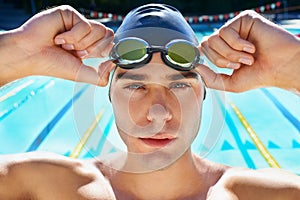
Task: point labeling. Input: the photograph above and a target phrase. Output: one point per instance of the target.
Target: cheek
(130, 108)
(138, 109)
(191, 109)
(190, 101)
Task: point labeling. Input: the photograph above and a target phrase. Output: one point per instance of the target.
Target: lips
(158, 140)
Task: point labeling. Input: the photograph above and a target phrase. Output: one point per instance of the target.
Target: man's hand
(53, 43)
(260, 52)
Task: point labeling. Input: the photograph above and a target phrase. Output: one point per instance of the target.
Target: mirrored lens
(131, 50)
(181, 53)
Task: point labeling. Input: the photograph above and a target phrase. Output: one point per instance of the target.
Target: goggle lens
(181, 53)
(131, 50)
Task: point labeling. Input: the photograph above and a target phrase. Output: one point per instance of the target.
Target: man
(157, 99)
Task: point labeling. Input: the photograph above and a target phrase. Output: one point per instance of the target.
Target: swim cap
(157, 24)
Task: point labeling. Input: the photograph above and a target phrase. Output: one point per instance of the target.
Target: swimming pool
(255, 129)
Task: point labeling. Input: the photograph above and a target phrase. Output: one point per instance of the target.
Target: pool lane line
(15, 90)
(285, 112)
(105, 134)
(4, 114)
(234, 131)
(257, 142)
(46, 130)
(97, 151)
(87, 134)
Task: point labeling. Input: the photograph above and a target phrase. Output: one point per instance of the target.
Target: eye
(135, 86)
(179, 85)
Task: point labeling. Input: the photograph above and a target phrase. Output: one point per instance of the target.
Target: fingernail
(245, 61)
(249, 49)
(233, 65)
(59, 41)
(69, 46)
(82, 53)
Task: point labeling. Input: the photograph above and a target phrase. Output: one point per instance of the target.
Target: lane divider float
(258, 143)
(87, 134)
(15, 90)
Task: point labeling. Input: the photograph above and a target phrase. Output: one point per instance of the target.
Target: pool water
(255, 129)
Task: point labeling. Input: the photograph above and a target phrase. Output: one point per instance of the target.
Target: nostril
(158, 112)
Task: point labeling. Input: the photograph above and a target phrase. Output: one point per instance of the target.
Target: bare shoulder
(210, 165)
(30, 161)
(268, 183)
(267, 174)
(212, 172)
(36, 172)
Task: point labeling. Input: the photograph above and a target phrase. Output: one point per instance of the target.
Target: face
(157, 109)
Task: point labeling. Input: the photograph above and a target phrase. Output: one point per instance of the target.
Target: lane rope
(258, 143)
(87, 134)
(15, 90)
(51, 124)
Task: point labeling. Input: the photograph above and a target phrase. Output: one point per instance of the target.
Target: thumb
(240, 80)
(211, 79)
(69, 67)
(104, 72)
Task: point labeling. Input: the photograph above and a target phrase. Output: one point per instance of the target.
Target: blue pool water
(255, 129)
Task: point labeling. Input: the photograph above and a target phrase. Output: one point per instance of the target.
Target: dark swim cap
(157, 24)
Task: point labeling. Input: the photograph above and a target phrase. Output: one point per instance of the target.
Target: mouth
(158, 141)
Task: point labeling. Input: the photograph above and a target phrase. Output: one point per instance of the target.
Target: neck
(175, 181)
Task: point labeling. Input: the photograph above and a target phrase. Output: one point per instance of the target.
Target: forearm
(11, 57)
(291, 75)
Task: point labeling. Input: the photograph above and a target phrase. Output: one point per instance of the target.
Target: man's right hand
(261, 53)
(53, 43)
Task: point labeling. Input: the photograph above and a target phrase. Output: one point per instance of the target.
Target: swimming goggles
(134, 52)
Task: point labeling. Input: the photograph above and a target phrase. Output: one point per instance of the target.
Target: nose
(159, 110)
(159, 113)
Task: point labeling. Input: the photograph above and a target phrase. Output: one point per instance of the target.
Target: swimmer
(261, 53)
(156, 94)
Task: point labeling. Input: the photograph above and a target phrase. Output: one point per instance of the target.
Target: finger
(228, 52)
(76, 27)
(210, 78)
(102, 47)
(71, 68)
(73, 36)
(216, 58)
(98, 31)
(234, 40)
(104, 71)
(88, 74)
(241, 80)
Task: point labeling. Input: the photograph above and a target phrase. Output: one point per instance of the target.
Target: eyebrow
(130, 76)
(173, 77)
(183, 75)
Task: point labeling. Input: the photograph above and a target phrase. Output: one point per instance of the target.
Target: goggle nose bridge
(156, 49)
